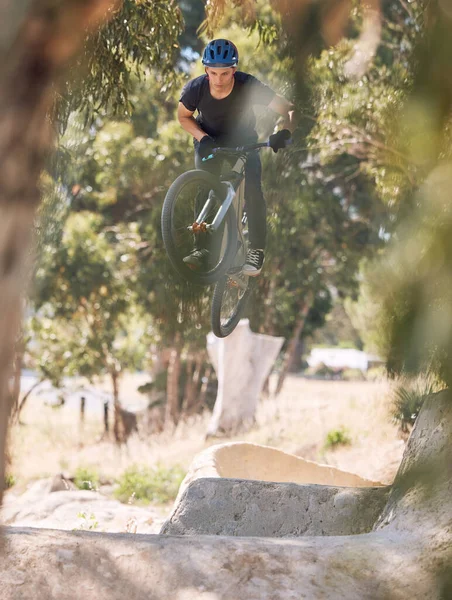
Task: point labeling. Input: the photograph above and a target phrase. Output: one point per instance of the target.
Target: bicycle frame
(238, 171)
(234, 180)
(238, 175)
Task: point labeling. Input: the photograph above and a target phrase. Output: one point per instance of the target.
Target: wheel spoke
(232, 295)
(187, 207)
(184, 203)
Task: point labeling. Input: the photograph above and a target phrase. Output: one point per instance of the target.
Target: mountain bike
(200, 208)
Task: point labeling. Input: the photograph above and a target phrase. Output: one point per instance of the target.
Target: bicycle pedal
(232, 283)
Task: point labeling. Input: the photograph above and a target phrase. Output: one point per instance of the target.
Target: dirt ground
(298, 421)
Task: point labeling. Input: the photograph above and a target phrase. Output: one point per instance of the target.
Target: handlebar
(241, 149)
(238, 150)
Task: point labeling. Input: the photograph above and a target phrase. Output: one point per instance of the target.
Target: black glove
(279, 139)
(206, 145)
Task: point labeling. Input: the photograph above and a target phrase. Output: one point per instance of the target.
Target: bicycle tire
(222, 327)
(209, 181)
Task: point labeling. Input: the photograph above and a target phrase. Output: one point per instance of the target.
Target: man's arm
(188, 122)
(284, 108)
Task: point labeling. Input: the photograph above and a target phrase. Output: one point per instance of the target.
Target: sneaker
(254, 262)
(197, 259)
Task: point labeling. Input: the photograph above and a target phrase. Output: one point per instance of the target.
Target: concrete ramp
(258, 508)
(245, 489)
(408, 555)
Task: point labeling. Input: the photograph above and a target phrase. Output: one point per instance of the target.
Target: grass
(86, 478)
(408, 398)
(88, 522)
(298, 422)
(10, 480)
(158, 485)
(337, 437)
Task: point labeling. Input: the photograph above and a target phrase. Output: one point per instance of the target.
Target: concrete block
(234, 507)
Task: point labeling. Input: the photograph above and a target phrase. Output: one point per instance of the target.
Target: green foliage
(104, 289)
(159, 484)
(10, 481)
(330, 197)
(338, 330)
(364, 311)
(352, 375)
(376, 373)
(337, 437)
(355, 126)
(408, 398)
(86, 478)
(140, 35)
(193, 14)
(88, 522)
(51, 216)
(87, 322)
(416, 295)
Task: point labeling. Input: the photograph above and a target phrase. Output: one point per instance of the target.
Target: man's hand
(206, 145)
(279, 139)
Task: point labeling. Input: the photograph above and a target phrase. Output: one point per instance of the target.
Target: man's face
(221, 79)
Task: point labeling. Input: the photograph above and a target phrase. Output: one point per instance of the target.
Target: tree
(111, 182)
(34, 50)
(137, 36)
(86, 307)
(416, 297)
(36, 45)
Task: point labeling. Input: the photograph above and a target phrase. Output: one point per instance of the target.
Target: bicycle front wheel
(229, 300)
(183, 204)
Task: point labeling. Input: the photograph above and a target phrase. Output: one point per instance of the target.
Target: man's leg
(256, 211)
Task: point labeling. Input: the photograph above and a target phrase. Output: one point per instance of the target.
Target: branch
(368, 41)
(408, 10)
(26, 396)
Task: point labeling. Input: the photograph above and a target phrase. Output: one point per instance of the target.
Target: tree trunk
(267, 325)
(197, 383)
(33, 53)
(125, 422)
(242, 362)
(292, 346)
(16, 383)
(82, 410)
(117, 424)
(106, 425)
(270, 307)
(204, 387)
(189, 383)
(172, 385)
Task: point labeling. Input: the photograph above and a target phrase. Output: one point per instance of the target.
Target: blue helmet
(220, 54)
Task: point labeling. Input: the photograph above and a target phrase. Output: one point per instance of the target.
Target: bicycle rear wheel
(229, 300)
(183, 203)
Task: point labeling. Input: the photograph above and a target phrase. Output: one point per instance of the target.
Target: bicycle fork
(199, 225)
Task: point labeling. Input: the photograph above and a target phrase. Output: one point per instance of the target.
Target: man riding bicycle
(224, 99)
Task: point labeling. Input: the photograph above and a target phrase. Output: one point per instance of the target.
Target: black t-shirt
(231, 121)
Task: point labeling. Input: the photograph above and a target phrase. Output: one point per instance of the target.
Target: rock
(74, 510)
(255, 508)
(374, 566)
(421, 494)
(61, 484)
(243, 460)
(408, 556)
(208, 503)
